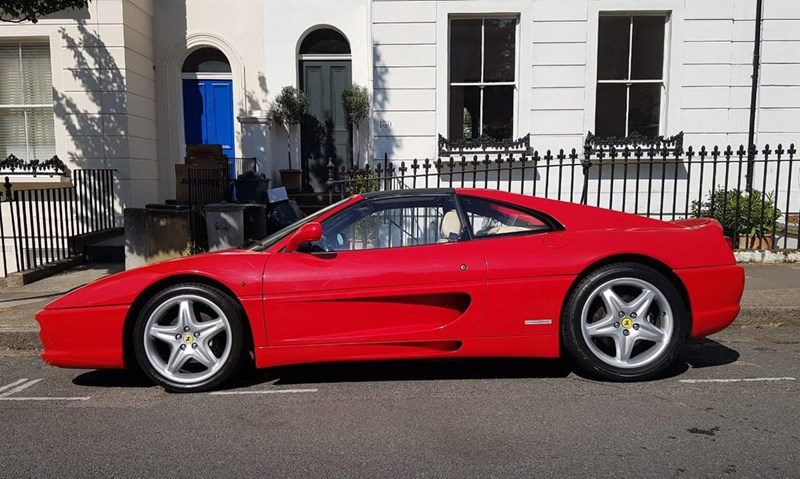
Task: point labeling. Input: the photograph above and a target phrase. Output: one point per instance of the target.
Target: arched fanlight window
(324, 41)
(206, 60)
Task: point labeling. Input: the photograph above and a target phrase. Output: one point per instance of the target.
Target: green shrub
(290, 106)
(364, 182)
(355, 100)
(739, 212)
(356, 104)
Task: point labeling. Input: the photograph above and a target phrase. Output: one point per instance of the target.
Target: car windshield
(283, 232)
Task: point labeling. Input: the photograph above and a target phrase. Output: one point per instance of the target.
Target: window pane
(492, 219)
(396, 223)
(498, 111)
(645, 109)
(465, 50)
(612, 48)
(609, 119)
(324, 41)
(499, 49)
(41, 136)
(206, 60)
(465, 112)
(10, 79)
(647, 57)
(37, 81)
(12, 141)
(40, 133)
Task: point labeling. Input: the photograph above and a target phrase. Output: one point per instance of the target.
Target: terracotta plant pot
(755, 242)
(291, 179)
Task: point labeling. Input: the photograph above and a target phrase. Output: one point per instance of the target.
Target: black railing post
(331, 179)
(386, 170)
(586, 163)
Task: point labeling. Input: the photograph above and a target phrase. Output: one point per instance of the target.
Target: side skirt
(540, 346)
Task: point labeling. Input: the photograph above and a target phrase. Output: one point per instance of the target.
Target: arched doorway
(325, 72)
(208, 100)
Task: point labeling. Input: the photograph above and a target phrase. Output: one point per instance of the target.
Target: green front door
(325, 132)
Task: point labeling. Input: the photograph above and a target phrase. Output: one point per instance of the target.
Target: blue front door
(208, 114)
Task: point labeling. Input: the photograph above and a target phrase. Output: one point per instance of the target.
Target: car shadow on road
(408, 370)
(697, 353)
(704, 353)
(113, 378)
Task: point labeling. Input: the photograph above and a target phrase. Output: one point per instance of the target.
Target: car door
(525, 284)
(390, 268)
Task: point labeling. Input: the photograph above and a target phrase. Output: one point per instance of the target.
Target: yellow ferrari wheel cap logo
(188, 339)
(627, 323)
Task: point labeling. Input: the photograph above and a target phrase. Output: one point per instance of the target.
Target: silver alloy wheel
(183, 347)
(632, 311)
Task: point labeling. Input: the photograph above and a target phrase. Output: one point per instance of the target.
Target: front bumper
(83, 337)
(714, 296)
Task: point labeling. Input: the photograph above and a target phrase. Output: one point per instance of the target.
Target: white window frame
(673, 54)
(629, 82)
(25, 106)
(482, 84)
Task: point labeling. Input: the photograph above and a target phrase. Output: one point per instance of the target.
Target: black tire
(238, 347)
(576, 345)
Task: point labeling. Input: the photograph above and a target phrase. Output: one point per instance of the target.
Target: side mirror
(308, 233)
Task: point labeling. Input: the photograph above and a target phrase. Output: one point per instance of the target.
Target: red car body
(492, 297)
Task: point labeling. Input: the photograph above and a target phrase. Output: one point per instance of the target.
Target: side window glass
(489, 218)
(392, 223)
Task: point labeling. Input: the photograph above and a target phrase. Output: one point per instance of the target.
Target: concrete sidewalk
(771, 299)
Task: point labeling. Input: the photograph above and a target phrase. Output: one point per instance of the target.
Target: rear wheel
(189, 338)
(624, 322)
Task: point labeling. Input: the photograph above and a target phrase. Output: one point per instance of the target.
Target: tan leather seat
(451, 224)
(505, 229)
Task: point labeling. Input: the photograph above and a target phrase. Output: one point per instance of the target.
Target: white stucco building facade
(554, 69)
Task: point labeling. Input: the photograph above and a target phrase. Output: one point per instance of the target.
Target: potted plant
(747, 217)
(290, 106)
(365, 231)
(356, 106)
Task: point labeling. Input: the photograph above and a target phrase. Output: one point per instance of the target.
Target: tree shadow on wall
(253, 137)
(94, 84)
(384, 142)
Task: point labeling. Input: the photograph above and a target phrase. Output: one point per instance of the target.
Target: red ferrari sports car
(434, 273)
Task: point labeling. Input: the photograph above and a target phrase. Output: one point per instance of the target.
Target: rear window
(489, 218)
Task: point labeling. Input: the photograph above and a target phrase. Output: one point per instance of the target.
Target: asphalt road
(476, 418)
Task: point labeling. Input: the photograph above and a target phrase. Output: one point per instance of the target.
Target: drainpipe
(751, 148)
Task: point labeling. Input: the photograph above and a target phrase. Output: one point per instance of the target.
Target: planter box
(755, 242)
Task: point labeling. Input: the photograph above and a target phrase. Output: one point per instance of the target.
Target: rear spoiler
(698, 223)
(703, 223)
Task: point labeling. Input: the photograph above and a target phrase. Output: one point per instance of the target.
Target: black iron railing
(205, 186)
(665, 182)
(42, 222)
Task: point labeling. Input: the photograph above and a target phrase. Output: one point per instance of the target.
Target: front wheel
(624, 322)
(189, 338)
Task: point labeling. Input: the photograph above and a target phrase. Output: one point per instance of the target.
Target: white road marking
(7, 386)
(20, 398)
(268, 391)
(20, 387)
(25, 383)
(695, 381)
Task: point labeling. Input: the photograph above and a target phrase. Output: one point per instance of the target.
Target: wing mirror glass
(308, 233)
